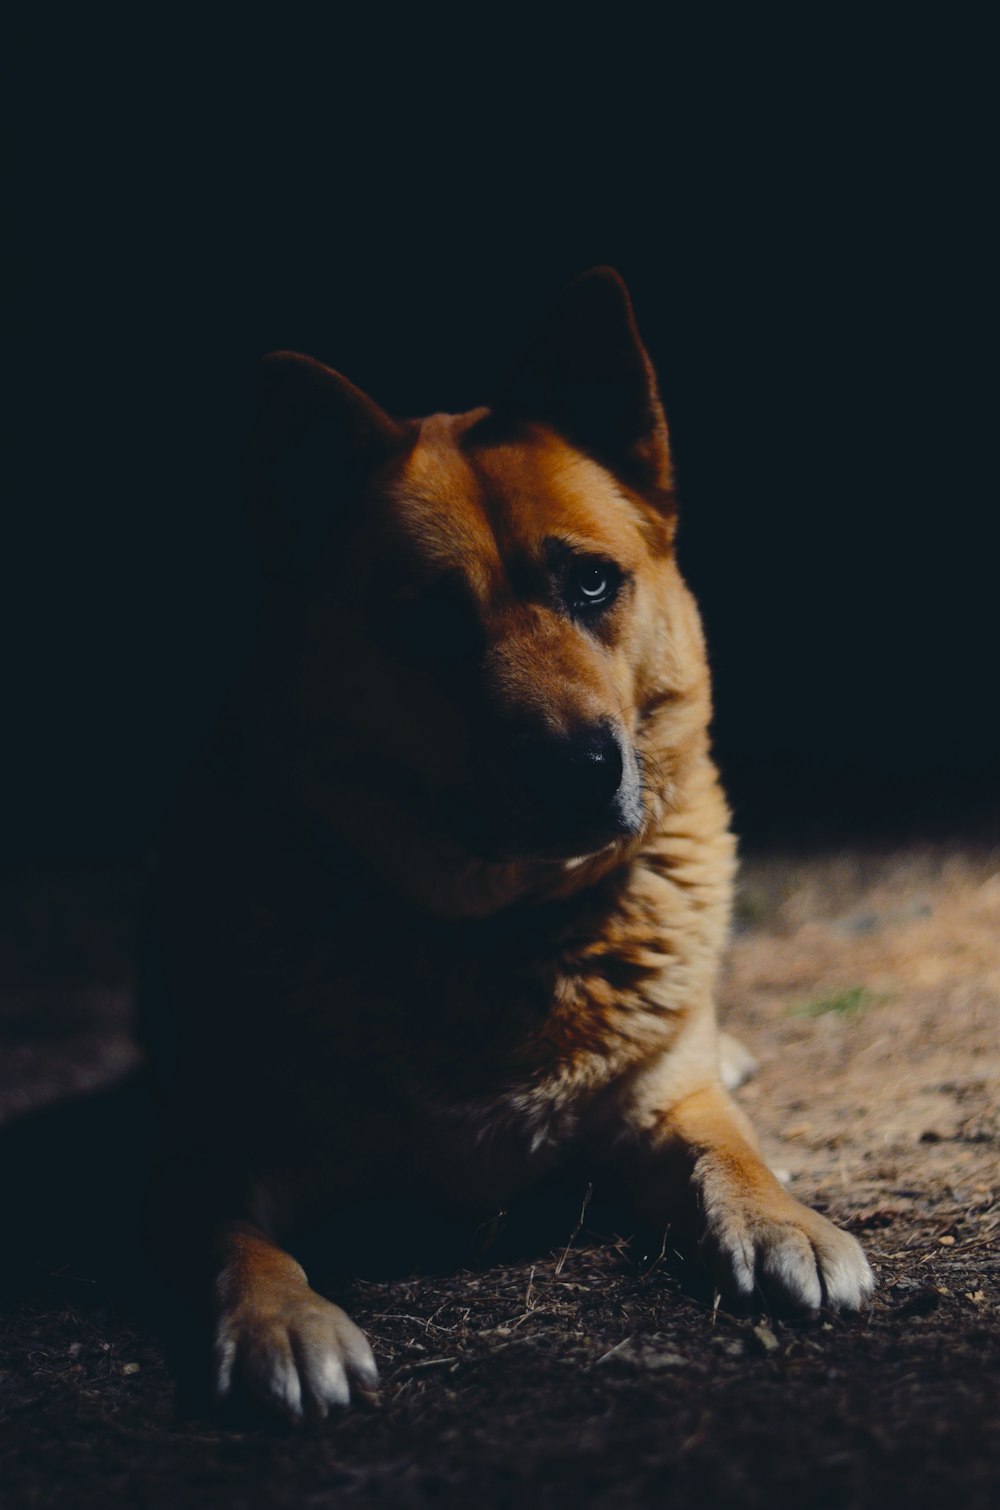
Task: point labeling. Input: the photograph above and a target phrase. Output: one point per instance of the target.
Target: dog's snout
(577, 775)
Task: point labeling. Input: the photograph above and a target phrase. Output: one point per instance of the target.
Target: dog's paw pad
(301, 1356)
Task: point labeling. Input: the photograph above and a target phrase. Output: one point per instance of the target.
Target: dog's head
(494, 669)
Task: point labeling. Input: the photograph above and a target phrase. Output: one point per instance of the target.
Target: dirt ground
(595, 1370)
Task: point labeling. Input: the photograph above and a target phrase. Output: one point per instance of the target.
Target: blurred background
(800, 219)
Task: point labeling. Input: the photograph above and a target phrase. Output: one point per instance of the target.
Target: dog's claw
(767, 1245)
(302, 1356)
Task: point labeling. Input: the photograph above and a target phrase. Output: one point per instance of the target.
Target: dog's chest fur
(476, 1053)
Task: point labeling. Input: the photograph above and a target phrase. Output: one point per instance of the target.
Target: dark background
(800, 217)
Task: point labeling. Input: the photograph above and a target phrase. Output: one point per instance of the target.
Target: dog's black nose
(575, 776)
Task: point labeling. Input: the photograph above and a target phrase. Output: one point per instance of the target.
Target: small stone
(766, 1338)
(131, 1368)
(644, 1353)
(666, 1359)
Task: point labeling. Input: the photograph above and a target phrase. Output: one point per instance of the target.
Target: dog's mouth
(498, 816)
(503, 832)
(461, 820)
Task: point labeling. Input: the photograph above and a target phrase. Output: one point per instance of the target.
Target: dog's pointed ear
(587, 374)
(314, 437)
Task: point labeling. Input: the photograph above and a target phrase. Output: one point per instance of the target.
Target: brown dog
(445, 900)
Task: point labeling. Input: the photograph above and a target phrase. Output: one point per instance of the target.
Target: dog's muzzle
(571, 793)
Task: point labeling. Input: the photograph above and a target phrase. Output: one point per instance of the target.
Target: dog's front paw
(299, 1354)
(764, 1243)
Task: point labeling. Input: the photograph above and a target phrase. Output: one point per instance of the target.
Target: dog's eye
(591, 584)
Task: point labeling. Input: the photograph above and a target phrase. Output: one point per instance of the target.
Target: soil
(596, 1369)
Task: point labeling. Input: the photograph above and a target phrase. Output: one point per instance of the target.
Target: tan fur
(417, 1008)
